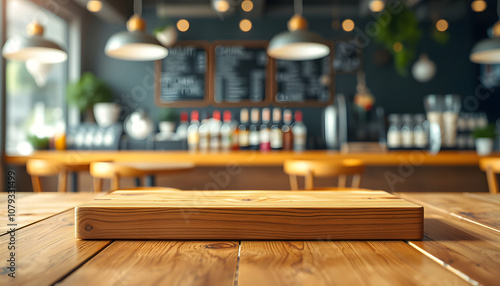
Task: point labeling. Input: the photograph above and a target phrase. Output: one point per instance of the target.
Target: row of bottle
(258, 133)
(407, 131)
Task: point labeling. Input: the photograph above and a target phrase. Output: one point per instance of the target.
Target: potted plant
(167, 119)
(92, 96)
(484, 139)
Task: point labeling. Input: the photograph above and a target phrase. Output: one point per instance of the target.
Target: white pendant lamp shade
(298, 43)
(135, 44)
(487, 51)
(33, 47)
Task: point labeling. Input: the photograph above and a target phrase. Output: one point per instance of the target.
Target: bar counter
(256, 158)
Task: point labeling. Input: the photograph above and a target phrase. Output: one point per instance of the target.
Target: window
(36, 105)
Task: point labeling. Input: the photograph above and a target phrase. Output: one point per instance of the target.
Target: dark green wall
(396, 94)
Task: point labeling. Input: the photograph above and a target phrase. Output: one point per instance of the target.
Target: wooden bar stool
(316, 168)
(492, 167)
(115, 170)
(37, 168)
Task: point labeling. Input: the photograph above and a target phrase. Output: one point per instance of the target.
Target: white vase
(484, 146)
(106, 113)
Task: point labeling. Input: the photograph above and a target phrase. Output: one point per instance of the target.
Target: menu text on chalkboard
(240, 72)
(183, 76)
(303, 81)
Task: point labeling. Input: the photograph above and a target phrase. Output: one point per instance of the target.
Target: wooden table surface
(461, 247)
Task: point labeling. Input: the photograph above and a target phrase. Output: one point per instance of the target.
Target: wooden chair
(491, 166)
(37, 168)
(316, 168)
(115, 170)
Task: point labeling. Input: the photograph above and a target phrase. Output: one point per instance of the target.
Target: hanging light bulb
(33, 47)
(94, 6)
(376, 5)
(135, 44)
(298, 43)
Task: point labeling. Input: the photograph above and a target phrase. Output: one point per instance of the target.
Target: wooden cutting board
(249, 215)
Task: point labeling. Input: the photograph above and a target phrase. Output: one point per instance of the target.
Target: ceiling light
(397, 47)
(183, 25)
(298, 43)
(94, 6)
(33, 47)
(221, 6)
(135, 44)
(442, 25)
(348, 25)
(478, 5)
(376, 5)
(247, 5)
(245, 25)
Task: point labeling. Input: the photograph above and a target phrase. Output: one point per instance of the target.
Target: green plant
(87, 91)
(168, 114)
(400, 37)
(485, 132)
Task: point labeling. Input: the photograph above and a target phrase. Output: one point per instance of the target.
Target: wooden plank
(46, 251)
(318, 263)
(255, 158)
(39, 206)
(4, 196)
(460, 205)
(492, 198)
(236, 215)
(465, 248)
(160, 263)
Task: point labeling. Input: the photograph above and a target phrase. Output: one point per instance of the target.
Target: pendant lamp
(33, 47)
(135, 44)
(487, 51)
(297, 43)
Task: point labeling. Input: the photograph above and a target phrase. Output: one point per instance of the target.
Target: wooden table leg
(63, 178)
(97, 185)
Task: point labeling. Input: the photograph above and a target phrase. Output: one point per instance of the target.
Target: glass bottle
(276, 133)
(287, 130)
(394, 133)
(419, 132)
(193, 137)
(226, 132)
(407, 131)
(254, 136)
(264, 131)
(183, 126)
(243, 132)
(203, 131)
(214, 130)
(299, 130)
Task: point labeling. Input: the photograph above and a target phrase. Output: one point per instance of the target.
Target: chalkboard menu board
(303, 82)
(348, 56)
(182, 78)
(239, 70)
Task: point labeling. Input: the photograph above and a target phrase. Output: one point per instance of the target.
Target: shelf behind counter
(256, 158)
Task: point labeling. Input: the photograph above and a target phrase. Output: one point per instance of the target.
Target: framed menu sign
(182, 78)
(239, 72)
(303, 83)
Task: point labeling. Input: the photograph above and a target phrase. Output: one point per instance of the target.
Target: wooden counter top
(461, 247)
(255, 158)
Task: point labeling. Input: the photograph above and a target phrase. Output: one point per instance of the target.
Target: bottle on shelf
(235, 133)
(193, 137)
(287, 130)
(264, 131)
(276, 133)
(183, 126)
(214, 130)
(419, 132)
(407, 131)
(253, 136)
(394, 132)
(243, 132)
(204, 130)
(227, 132)
(299, 131)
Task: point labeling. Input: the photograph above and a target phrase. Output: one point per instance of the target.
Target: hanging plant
(400, 37)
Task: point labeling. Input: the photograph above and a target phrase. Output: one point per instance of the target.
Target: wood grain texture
(180, 263)
(492, 198)
(459, 205)
(254, 158)
(30, 209)
(325, 263)
(46, 251)
(235, 215)
(463, 247)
